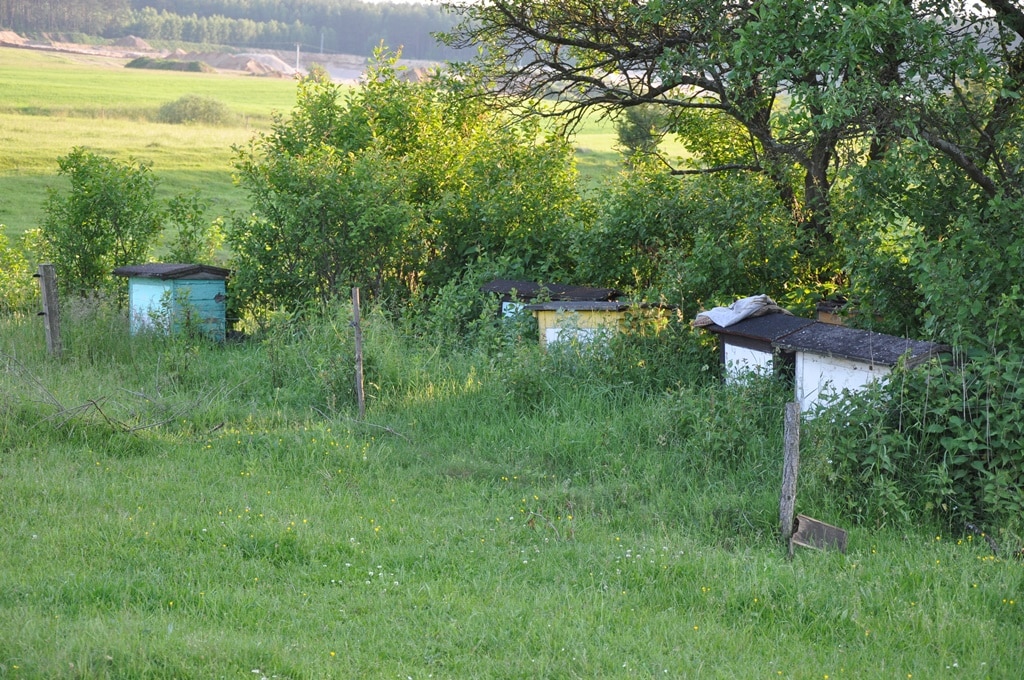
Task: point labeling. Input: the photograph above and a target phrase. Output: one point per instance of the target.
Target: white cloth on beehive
(744, 308)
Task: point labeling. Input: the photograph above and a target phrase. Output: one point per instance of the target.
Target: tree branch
(962, 161)
(718, 168)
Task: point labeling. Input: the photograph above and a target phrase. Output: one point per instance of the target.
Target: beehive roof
(768, 328)
(579, 306)
(858, 345)
(529, 290)
(164, 270)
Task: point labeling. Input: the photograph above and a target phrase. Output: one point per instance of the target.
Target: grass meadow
(172, 508)
(53, 102)
(177, 509)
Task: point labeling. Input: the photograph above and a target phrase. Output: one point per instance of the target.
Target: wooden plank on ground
(811, 533)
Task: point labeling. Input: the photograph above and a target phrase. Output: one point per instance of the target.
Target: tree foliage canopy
(108, 218)
(815, 88)
(393, 186)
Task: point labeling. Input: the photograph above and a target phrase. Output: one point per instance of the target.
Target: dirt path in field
(343, 68)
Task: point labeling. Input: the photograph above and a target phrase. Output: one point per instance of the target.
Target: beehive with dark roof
(523, 291)
(174, 296)
(855, 344)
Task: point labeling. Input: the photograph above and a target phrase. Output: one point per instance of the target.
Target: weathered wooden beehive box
(748, 345)
(175, 297)
(580, 321)
(830, 359)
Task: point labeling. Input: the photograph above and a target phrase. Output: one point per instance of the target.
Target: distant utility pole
(297, 46)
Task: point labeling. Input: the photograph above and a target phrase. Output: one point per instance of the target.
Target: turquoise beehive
(175, 297)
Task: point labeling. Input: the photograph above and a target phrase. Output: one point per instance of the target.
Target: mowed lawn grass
(53, 102)
(187, 510)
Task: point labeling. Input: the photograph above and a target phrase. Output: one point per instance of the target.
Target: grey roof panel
(768, 328)
(858, 345)
(579, 306)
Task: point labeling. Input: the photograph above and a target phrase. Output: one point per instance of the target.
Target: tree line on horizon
(347, 26)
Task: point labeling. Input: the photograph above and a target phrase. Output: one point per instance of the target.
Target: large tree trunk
(817, 206)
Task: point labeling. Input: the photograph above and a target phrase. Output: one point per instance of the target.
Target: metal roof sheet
(579, 306)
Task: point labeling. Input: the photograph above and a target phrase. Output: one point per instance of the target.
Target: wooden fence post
(360, 397)
(790, 464)
(47, 276)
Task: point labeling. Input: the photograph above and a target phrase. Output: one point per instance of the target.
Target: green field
(54, 102)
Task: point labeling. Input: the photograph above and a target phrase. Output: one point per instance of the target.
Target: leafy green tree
(193, 238)
(329, 207)
(504, 194)
(694, 243)
(395, 186)
(106, 219)
(640, 130)
(815, 88)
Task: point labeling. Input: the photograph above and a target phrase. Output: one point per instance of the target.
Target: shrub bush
(106, 219)
(169, 65)
(694, 241)
(17, 290)
(938, 441)
(192, 238)
(193, 109)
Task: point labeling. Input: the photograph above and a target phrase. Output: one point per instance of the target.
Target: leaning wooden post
(360, 397)
(790, 464)
(47, 276)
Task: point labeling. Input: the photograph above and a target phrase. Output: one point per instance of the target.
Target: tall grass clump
(17, 289)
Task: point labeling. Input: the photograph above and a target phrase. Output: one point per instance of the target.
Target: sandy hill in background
(343, 68)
